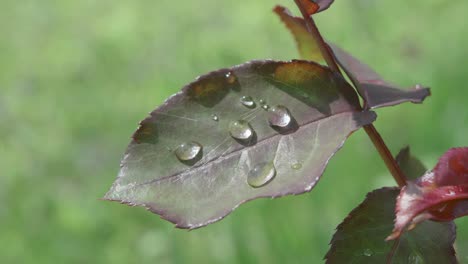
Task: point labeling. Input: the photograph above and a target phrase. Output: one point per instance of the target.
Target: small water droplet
(261, 174)
(231, 78)
(265, 107)
(215, 117)
(262, 102)
(415, 259)
(188, 151)
(418, 86)
(240, 129)
(296, 166)
(247, 101)
(367, 252)
(279, 116)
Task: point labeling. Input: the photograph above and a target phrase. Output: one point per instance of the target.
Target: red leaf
(441, 194)
(452, 168)
(309, 6)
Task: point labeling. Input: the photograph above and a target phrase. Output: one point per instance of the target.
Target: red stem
(375, 137)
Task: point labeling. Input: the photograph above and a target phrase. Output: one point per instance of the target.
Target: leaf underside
(371, 87)
(324, 110)
(360, 238)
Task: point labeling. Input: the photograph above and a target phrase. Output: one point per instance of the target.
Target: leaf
(375, 91)
(411, 166)
(360, 237)
(306, 44)
(309, 6)
(452, 168)
(324, 111)
(441, 194)
(323, 4)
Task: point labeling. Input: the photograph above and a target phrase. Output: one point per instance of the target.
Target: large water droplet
(279, 116)
(240, 129)
(296, 166)
(215, 117)
(247, 101)
(188, 151)
(231, 78)
(368, 252)
(261, 174)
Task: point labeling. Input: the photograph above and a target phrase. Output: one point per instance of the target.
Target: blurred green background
(77, 76)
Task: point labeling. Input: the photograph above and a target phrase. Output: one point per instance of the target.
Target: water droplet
(415, 259)
(247, 101)
(188, 151)
(262, 102)
(215, 117)
(368, 252)
(261, 174)
(279, 116)
(231, 78)
(418, 86)
(265, 107)
(240, 129)
(296, 166)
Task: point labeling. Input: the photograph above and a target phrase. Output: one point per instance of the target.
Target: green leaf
(361, 236)
(305, 42)
(184, 163)
(411, 166)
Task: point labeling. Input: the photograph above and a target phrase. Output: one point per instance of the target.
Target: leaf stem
(371, 131)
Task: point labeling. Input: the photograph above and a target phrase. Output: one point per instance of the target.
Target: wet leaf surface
(373, 89)
(361, 236)
(193, 169)
(441, 194)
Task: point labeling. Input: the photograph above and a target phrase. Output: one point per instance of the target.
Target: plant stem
(375, 137)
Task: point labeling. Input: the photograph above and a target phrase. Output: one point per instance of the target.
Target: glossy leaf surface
(361, 236)
(239, 155)
(373, 89)
(441, 194)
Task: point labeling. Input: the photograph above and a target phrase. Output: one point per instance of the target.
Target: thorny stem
(375, 137)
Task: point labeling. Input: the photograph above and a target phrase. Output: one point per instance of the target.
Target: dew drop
(215, 117)
(368, 252)
(231, 78)
(261, 174)
(265, 107)
(296, 166)
(279, 116)
(240, 129)
(415, 259)
(188, 151)
(247, 101)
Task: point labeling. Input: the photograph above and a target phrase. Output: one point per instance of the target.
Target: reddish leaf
(184, 163)
(452, 168)
(323, 4)
(373, 89)
(310, 6)
(360, 237)
(375, 92)
(441, 194)
(306, 44)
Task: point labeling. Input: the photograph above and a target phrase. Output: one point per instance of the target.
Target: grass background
(77, 76)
